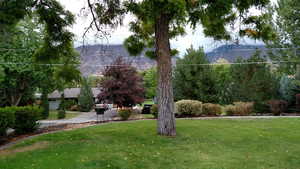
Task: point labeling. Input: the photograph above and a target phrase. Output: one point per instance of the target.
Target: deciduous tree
(122, 85)
(158, 21)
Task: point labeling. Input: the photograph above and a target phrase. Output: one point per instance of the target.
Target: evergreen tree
(223, 81)
(45, 105)
(194, 81)
(85, 98)
(253, 82)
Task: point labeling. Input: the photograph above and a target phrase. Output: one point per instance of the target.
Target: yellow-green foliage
(125, 113)
(240, 108)
(212, 109)
(188, 108)
(154, 110)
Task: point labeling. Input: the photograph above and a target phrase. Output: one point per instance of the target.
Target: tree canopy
(158, 21)
(57, 40)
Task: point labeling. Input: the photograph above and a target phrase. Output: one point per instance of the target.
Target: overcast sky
(193, 37)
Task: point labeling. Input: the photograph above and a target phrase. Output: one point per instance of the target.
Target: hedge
(26, 119)
(7, 119)
(22, 119)
(212, 109)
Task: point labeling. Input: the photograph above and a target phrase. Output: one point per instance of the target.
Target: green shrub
(239, 109)
(7, 119)
(26, 119)
(261, 107)
(125, 113)
(154, 110)
(211, 109)
(69, 104)
(188, 108)
(61, 114)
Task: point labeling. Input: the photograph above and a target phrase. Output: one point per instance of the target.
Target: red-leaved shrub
(277, 106)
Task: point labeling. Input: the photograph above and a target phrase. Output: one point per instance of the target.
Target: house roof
(71, 93)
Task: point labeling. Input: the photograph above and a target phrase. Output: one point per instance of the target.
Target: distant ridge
(105, 54)
(93, 55)
(232, 52)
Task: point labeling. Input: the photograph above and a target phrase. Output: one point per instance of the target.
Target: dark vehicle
(147, 109)
(101, 108)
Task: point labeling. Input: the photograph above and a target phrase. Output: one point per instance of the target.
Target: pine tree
(192, 81)
(85, 98)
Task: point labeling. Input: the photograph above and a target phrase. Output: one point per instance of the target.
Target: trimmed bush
(211, 109)
(125, 113)
(278, 106)
(154, 110)
(188, 108)
(244, 108)
(7, 119)
(230, 110)
(26, 119)
(61, 114)
(239, 109)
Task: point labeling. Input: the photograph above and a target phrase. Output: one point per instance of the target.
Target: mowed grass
(200, 144)
(69, 115)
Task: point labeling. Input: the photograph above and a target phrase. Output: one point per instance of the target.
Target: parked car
(147, 109)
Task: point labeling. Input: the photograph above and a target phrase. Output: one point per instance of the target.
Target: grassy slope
(207, 144)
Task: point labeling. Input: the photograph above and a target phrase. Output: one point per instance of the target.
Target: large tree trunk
(166, 119)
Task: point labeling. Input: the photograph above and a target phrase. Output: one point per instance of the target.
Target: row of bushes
(188, 108)
(21, 119)
(194, 108)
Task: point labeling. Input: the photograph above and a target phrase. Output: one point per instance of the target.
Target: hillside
(232, 52)
(95, 57)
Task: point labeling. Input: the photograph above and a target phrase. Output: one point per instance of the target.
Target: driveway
(82, 118)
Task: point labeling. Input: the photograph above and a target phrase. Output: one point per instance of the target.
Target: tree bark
(166, 119)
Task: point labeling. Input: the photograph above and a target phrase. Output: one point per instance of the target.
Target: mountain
(232, 52)
(94, 58)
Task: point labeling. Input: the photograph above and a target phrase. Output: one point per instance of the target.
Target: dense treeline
(247, 80)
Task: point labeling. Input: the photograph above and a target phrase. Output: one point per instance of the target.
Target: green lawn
(200, 144)
(148, 102)
(53, 115)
